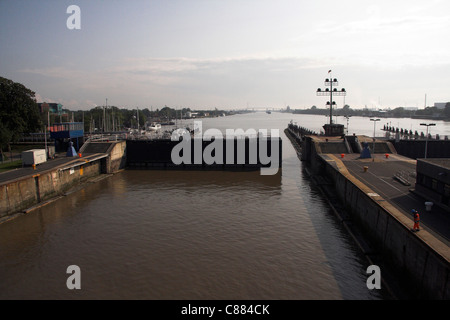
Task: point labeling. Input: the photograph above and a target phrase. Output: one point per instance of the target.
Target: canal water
(189, 235)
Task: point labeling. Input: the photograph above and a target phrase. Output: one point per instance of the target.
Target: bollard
(428, 205)
(365, 168)
(342, 155)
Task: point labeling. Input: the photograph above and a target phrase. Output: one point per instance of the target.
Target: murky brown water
(187, 235)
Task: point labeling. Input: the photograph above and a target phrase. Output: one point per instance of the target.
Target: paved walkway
(48, 165)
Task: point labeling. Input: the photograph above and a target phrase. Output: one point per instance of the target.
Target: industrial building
(433, 180)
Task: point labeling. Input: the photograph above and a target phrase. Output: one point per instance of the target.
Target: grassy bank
(9, 165)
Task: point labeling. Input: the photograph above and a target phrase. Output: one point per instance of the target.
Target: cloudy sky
(228, 54)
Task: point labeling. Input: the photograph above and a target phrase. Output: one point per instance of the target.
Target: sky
(234, 54)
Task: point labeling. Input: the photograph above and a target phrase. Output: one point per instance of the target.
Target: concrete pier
(25, 188)
(381, 206)
(28, 187)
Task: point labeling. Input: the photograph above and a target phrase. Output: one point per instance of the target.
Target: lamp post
(426, 141)
(332, 129)
(373, 147)
(330, 82)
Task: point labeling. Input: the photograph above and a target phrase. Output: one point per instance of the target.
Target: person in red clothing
(416, 220)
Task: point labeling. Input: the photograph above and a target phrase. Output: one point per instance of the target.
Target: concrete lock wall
(21, 194)
(416, 148)
(117, 156)
(390, 230)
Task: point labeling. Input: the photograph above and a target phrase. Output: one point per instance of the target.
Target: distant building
(55, 108)
(440, 105)
(190, 114)
(64, 133)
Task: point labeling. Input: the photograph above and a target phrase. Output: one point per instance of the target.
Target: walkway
(379, 176)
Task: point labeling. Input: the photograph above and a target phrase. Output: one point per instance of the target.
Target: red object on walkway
(416, 221)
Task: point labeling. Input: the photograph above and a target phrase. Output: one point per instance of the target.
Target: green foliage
(18, 111)
(400, 112)
(119, 119)
(6, 166)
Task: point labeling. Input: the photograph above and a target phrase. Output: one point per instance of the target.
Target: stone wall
(426, 263)
(20, 194)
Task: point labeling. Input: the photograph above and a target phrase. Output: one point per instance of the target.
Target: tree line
(400, 112)
(19, 114)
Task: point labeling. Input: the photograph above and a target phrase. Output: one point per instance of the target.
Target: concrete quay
(58, 163)
(393, 179)
(26, 188)
(378, 195)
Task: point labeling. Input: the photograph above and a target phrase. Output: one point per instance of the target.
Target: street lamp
(374, 123)
(426, 141)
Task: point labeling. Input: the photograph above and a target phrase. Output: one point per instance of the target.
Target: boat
(154, 126)
(268, 112)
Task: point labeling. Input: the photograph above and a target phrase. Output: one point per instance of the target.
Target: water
(189, 235)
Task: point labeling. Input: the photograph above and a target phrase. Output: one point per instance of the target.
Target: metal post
(329, 82)
(139, 133)
(426, 139)
(331, 99)
(45, 141)
(373, 146)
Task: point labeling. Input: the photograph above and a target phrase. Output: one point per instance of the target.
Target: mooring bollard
(365, 168)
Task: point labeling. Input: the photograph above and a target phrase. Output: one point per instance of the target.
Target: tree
(18, 111)
(398, 112)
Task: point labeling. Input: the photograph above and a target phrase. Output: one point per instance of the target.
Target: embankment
(21, 193)
(27, 188)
